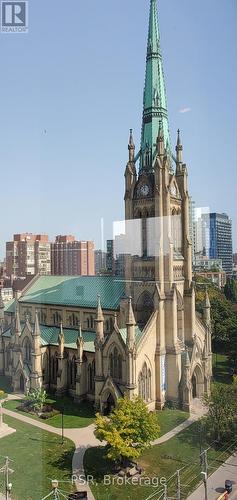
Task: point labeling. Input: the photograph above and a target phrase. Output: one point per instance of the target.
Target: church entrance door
(109, 405)
(22, 383)
(194, 385)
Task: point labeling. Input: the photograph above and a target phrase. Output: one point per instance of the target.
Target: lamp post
(8, 490)
(8, 485)
(62, 416)
(54, 483)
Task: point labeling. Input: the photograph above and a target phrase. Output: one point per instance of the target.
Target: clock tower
(158, 266)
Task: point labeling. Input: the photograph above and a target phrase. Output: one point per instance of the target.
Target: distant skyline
(72, 88)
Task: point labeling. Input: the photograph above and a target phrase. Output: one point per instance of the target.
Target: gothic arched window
(45, 367)
(73, 319)
(42, 316)
(115, 362)
(73, 372)
(27, 350)
(144, 383)
(54, 368)
(57, 318)
(91, 377)
(145, 307)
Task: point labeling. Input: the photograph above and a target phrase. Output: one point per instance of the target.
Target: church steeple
(154, 100)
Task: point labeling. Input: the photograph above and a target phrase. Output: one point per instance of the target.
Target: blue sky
(79, 75)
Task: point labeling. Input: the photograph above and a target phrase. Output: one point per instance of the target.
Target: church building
(105, 337)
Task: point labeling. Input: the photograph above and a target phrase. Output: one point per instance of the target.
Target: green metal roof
(80, 291)
(49, 336)
(138, 334)
(10, 306)
(154, 100)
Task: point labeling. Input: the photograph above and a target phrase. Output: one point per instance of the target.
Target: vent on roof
(80, 291)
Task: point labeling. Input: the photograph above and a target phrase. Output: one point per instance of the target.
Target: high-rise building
(72, 258)
(221, 240)
(100, 262)
(28, 254)
(192, 224)
(110, 261)
(201, 231)
(235, 259)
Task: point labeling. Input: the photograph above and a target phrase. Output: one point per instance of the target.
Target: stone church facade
(102, 338)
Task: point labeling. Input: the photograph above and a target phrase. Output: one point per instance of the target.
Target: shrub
(2, 394)
(48, 414)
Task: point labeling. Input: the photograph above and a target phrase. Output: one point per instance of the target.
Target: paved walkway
(84, 438)
(216, 482)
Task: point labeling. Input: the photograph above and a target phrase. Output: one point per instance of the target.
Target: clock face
(144, 190)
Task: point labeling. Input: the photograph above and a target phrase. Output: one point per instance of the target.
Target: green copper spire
(154, 100)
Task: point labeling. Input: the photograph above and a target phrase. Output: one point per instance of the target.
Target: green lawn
(38, 456)
(75, 414)
(159, 461)
(221, 369)
(168, 419)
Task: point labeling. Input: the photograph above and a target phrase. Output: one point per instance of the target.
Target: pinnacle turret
(99, 312)
(131, 319)
(131, 146)
(179, 150)
(80, 344)
(130, 323)
(1, 301)
(61, 340)
(36, 331)
(99, 321)
(17, 331)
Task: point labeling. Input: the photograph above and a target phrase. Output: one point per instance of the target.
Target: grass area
(83, 415)
(221, 369)
(5, 384)
(75, 414)
(159, 461)
(37, 456)
(168, 419)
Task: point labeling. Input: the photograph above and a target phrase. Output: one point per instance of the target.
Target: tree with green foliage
(37, 399)
(230, 290)
(223, 314)
(222, 411)
(128, 430)
(232, 351)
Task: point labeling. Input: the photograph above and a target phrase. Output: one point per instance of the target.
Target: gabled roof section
(138, 334)
(80, 291)
(10, 306)
(49, 336)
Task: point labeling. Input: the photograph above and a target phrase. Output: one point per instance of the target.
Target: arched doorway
(108, 403)
(197, 383)
(22, 383)
(194, 386)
